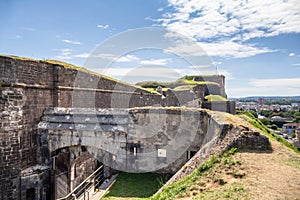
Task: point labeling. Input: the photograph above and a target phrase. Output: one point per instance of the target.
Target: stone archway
(71, 165)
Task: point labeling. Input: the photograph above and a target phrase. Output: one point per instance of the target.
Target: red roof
(292, 124)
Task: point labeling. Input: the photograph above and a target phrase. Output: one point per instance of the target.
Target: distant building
(297, 131)
(295, 106)
(279, 118)
(261, 101)
(289, 128)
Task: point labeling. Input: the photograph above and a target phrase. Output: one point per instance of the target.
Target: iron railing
(82, 191)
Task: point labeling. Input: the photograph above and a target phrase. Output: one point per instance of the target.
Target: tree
(253, 113)
(274, 126)
(297, 119)
(265, 121)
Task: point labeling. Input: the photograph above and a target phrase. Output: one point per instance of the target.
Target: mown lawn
(136, 186)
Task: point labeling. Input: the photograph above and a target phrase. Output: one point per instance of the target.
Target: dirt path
(273, 175)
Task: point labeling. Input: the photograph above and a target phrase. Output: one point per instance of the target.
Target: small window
(134, 148)
(190, 154)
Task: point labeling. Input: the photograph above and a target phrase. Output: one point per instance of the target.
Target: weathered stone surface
(231, 136)
(28, 87)
(129, 139)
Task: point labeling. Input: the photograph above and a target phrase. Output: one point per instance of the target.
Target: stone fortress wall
(27, 88)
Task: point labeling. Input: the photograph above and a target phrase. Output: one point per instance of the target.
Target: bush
(265, 121)
(274, 126)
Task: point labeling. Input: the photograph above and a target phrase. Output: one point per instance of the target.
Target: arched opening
(72, 165)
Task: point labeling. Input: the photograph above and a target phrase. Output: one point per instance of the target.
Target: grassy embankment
(238, 174)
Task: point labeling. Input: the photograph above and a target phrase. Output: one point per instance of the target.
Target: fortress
(55, 117)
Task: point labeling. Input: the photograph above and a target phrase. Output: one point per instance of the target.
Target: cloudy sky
(254, 43)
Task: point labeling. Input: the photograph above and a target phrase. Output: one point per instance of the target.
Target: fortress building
(55, 117)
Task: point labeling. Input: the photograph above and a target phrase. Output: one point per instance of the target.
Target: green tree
(297, 119)
(253, 113)
(274, 126)
(265, 121)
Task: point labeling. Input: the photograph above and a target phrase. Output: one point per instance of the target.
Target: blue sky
(255, 44)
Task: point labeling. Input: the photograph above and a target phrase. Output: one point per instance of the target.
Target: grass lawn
(215, 98)
(136, 186)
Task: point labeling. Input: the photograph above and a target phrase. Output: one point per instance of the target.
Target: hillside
(268, 98)
(241, 173)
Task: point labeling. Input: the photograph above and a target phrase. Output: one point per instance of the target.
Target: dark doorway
(30, 194)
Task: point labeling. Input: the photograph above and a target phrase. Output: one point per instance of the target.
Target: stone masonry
(29, 87)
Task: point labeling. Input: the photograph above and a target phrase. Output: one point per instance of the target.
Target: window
(190, 154)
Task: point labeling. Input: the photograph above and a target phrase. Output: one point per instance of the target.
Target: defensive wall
(29, 87)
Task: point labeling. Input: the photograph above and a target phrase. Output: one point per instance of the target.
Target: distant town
(281, 114)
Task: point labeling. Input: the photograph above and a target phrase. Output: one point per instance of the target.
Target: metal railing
(82, 191)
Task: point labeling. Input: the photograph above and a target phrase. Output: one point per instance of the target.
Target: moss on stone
(77, 68)
(183, 88)
(215, 98)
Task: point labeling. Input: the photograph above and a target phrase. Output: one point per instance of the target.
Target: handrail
(81, 184)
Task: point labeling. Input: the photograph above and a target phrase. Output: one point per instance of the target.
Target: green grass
(215, 98)
(151, 90)
(293, 163)
(204, 76)
(182, 187)
(259, 125)
(131, 185)
(177, 83)
(234, 191)
(191, 82)
(183, 88)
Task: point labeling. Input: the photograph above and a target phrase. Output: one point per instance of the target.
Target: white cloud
(231, 24)
(127, 58)
(70, 41)
(116, 72)
(296, 64)
(133, 75)
(226, 49)
(18, 36)
(64, 54)
(268, 87)
(292, 54)
(228, 75)
(107, 56)
(155, 62)
(160, 9)
(82, 55)
(28, 29)
(110, 57)
(195, 70)
(281, 82)
(149, 19)
(103, 26)
(216, 63)
(229, 49)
